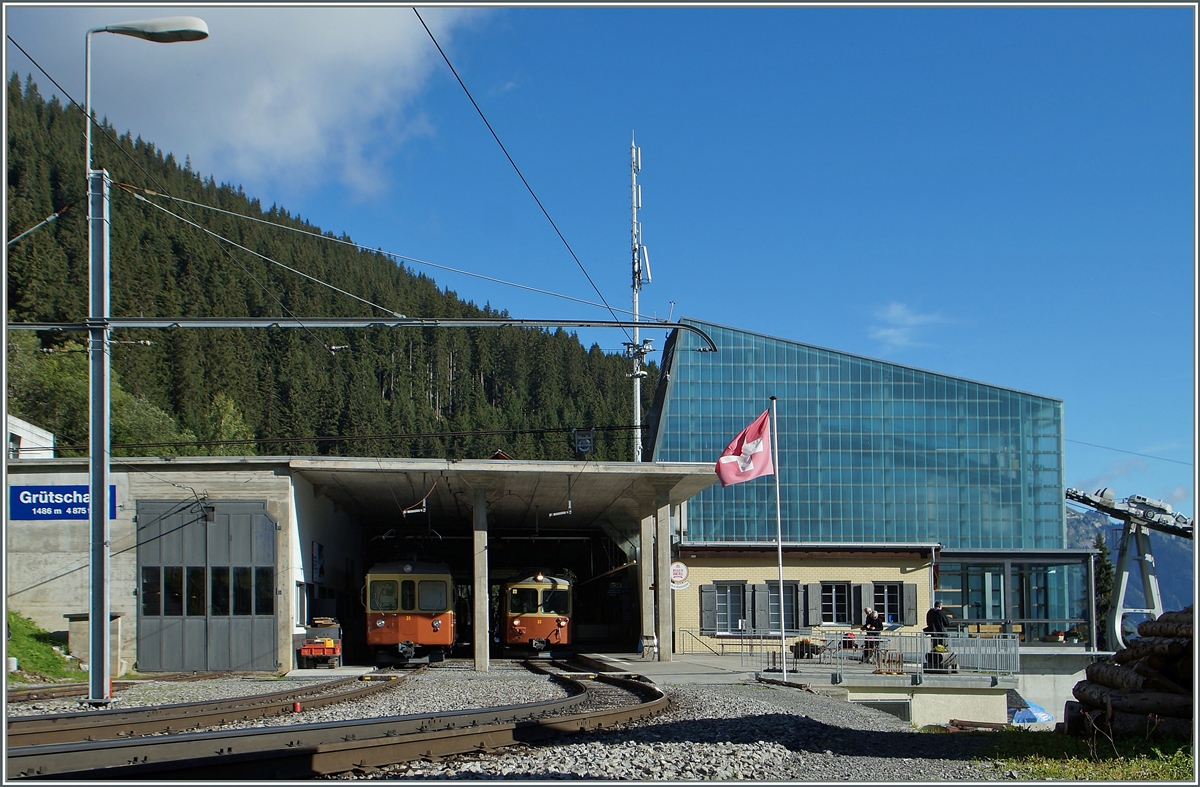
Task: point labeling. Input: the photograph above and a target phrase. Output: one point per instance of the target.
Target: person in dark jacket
(937, 623)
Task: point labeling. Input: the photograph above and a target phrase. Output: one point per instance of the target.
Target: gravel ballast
(744, 731)
(738, 732)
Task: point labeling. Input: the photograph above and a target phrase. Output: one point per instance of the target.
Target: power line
(514, 165)
(267, 259)
(1123, 451)
(393, 255)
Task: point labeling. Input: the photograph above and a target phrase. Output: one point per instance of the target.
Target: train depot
(260, 563)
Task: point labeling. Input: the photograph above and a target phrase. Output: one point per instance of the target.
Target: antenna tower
(637, 348)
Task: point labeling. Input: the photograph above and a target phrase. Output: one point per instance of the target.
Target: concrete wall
(46, 563)
(316, 518)
(1047, 677)
(939, 698)
(799, 568)
(46, 560)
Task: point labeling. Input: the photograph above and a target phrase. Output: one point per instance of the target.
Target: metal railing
(917, 653)
(689, 641)
(889, 653)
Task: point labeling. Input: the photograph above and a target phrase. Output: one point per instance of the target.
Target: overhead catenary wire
(496, 136)
(1123, 451)
(391, 254)
(265, 258)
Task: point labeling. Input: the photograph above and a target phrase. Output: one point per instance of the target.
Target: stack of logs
(1146, 690)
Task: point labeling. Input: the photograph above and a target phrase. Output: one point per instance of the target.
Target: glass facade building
(869, 451)
(872, 452)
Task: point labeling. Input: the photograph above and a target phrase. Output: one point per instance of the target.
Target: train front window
(523, 601)
(554, 602)
(383, 595)
(408, 595)
(431, 595)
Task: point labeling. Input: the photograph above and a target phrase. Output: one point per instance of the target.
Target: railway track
(308, 750)
(165, 719)
(57, 691)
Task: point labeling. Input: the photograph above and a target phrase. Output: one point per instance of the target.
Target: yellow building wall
(803, 569)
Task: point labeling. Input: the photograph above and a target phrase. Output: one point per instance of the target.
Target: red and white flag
(749, 455)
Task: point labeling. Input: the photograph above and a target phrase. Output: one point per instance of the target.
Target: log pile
(1145, 690)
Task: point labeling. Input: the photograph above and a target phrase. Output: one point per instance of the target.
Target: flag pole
(779, 541)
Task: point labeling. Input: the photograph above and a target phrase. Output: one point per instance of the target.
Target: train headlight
(437, 625)
(379, 623)
(516, 622)
(562, 622)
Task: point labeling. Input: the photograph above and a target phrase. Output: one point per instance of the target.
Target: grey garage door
(206, 586)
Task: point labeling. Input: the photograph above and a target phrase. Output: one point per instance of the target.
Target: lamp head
(164, 30)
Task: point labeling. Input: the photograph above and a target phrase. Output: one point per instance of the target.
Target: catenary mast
(636, 348)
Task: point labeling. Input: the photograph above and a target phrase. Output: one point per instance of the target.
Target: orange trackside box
(322, 647)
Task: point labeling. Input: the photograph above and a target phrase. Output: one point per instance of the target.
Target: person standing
(937, 623)
(873, 625)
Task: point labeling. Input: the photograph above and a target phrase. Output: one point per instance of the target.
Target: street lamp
(163, 30)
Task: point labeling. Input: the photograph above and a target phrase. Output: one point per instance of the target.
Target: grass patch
(1041, 754)
(37, 659)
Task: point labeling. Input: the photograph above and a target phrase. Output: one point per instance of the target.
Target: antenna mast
(637, 349)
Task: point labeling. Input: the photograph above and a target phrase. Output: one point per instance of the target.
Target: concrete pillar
(482, 635)
(646, 585)
(662, 579)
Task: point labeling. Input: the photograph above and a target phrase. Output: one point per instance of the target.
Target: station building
(219, 563)
(898, 487)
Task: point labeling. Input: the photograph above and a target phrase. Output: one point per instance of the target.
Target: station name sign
(55, 502)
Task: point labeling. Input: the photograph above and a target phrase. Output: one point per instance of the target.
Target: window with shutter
(887, 601)
(708, 610)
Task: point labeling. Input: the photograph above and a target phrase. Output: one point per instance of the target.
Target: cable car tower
(637, 349)
(1140, 515)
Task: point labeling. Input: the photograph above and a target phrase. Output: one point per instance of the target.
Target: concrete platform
(686, 668)
(350, 671)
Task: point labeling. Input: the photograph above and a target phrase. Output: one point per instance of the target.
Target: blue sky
(1001, 194)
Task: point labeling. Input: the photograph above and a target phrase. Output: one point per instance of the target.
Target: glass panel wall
(1044, 601)
(869, 451)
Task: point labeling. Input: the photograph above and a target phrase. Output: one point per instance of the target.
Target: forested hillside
(204, 384)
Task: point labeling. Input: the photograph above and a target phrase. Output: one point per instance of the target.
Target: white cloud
(276, 99)
(1122, 468)
(1178, 495)
(900, 326)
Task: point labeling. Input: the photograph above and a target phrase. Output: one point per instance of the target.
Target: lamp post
(163, 30)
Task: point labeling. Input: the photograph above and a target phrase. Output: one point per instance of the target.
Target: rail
(308, 750)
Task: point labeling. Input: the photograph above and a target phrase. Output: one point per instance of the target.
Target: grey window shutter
(708, 609)
(813, 589)
(910, 604)
(864, 596)
(760, 603)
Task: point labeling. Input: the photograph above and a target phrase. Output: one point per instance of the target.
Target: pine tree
(1103, 581)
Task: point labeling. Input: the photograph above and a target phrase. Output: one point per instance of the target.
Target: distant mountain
(1174, 557)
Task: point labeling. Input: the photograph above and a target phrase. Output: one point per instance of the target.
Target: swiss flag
(749, 455)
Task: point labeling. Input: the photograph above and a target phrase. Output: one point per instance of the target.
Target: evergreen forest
(409, 392)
